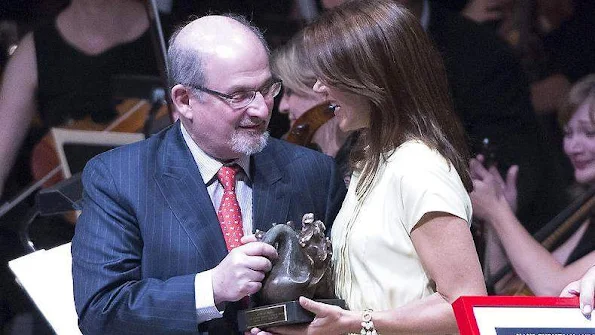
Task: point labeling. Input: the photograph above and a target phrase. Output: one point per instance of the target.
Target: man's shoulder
(285, 151)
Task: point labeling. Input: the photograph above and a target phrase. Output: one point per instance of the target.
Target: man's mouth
(254, 127)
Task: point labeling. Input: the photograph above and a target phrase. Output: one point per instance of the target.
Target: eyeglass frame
(228, 97)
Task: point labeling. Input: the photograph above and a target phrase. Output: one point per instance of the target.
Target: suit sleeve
(111, 296)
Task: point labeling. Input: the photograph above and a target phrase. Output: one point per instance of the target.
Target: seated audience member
(63, 69)
(157, 247)
(544, 272)
(301, 103)
(585, 288)
(402, 248)
(60, 71)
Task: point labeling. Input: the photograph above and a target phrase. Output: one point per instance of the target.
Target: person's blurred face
(579, 144)
(295, 104)
(351, 110)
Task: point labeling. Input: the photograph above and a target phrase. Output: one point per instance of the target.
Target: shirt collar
(207, 165)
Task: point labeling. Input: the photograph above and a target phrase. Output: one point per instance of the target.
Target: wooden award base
(280, 314)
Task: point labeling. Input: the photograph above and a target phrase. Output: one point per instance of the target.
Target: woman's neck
(330, 137)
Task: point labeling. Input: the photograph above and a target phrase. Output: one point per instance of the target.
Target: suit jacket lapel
(182, 186)
(270, 191)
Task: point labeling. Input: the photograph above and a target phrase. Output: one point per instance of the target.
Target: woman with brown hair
(402, 249)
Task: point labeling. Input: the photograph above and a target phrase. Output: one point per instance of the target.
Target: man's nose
(259, 107)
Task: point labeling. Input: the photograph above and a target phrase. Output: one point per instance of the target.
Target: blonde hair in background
(581, 92)
(290, 65)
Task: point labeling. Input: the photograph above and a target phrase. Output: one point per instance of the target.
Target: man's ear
(180, 97)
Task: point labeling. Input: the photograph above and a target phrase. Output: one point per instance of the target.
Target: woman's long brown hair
(378, 49)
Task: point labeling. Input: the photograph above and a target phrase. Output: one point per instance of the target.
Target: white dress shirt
(208, 167)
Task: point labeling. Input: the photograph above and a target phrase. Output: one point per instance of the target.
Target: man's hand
(240, 273)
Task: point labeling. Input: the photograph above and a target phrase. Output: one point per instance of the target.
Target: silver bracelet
(367, 324)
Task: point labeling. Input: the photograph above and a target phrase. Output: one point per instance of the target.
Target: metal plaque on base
(280, 314)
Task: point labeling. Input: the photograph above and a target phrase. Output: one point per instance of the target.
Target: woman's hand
(328, 320)
(585, 288)
(490, 188)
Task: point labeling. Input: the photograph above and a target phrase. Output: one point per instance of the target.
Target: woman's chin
(584, 177)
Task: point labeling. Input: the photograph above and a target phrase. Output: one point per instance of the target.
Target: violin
(304, 128)
(45, 163)
(132, 114)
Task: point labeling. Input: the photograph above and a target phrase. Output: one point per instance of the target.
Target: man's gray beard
(249, 144)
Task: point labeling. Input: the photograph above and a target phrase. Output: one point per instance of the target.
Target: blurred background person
(309, 109)
(62, 70)
(544, 272)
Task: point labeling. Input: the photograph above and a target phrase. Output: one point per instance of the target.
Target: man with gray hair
(158, 247)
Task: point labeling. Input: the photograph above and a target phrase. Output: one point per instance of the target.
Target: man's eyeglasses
(242, 99)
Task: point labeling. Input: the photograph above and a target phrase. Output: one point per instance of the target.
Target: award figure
(303, 268)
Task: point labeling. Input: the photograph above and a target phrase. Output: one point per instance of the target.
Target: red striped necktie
(229, 214)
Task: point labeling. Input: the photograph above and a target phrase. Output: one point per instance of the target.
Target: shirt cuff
(203, 296)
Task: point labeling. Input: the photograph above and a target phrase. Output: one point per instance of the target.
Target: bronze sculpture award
(303, 268)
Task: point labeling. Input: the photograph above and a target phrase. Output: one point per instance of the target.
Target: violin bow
(160, 50)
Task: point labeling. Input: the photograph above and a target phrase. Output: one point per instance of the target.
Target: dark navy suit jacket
(148, 226)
